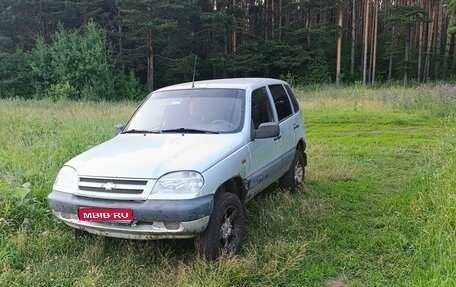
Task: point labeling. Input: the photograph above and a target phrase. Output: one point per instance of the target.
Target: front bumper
(153, 219)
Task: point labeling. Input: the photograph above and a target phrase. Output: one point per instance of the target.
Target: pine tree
(151, 26)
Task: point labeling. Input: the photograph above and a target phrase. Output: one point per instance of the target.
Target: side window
(281, 101)
(293, 98)
(261, 108)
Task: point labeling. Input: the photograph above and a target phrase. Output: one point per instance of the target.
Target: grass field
(378, 207)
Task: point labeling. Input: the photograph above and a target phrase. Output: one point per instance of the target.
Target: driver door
(265, 160)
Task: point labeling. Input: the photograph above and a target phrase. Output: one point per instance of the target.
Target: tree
(15, 74)
(156, 40)
(402, 18)
(353, 38)
(451, 30)
(339, 47)
(366, 39)
(151, 26)
(374, 35)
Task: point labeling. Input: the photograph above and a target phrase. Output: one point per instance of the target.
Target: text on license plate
(105, 214)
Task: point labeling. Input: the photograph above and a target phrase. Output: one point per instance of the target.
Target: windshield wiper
(135, 131)
(187, 130)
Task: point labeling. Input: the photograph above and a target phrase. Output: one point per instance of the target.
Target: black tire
(225, 230)
(294, 177)
(79, 233)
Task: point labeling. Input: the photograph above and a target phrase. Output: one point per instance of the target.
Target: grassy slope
(378, 207)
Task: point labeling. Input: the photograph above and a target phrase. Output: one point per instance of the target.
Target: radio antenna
(194, 72)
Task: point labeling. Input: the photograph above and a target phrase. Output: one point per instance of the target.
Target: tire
(79, 233)
(225, 230)
(294, 177)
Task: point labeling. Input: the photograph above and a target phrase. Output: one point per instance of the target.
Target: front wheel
(294, 177)
(225, 230)
(79, 233)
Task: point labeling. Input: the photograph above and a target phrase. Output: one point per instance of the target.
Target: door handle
(277, 138)
(295, 126)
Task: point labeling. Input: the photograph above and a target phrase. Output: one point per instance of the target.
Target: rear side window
(261, 109)
(292, 98)
(281, 101)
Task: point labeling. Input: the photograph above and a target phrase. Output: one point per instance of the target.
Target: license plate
(105, 214)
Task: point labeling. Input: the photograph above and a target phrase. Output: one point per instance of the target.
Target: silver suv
(189, 159)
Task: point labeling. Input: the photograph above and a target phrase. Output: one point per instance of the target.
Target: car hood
(152, 155)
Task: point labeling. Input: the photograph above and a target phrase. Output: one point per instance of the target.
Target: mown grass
(378, 208)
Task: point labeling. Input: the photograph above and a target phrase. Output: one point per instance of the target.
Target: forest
(121, 49)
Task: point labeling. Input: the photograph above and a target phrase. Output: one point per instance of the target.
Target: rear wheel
(294, 177)
(225, 230)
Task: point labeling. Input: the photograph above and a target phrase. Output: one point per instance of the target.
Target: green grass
(378, 208)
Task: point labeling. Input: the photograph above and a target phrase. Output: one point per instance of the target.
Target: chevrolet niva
(186, 163)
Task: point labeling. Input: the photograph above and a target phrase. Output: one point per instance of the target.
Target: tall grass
(377, 208)
(37, 137)
(436, 217)
(438, 100)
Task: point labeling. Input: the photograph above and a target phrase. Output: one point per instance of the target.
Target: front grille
(108, 185)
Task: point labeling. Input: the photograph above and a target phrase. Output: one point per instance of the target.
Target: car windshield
(190, 111)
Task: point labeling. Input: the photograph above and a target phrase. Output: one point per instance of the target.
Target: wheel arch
(236, 186)
(301, 146)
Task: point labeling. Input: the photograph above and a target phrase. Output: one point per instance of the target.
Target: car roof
(232, 83)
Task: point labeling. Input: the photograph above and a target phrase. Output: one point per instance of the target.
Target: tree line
(116, 49)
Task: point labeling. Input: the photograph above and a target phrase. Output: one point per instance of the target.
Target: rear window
(292, 98)
(281, 101)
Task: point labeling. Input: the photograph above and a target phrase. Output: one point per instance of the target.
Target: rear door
(298, 125)
(287, 122)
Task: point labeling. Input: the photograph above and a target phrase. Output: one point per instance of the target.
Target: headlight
(66, 179)
(179, 182)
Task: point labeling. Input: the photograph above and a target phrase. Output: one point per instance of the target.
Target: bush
(75, 65)
(61, 91)
(133, 89)
(19, 207)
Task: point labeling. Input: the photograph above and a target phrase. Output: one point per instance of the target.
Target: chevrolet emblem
(109, 186)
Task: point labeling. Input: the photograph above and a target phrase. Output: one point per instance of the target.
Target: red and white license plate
(105, 214)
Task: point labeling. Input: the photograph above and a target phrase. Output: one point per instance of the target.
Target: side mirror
(119, 128)
(267, 130)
